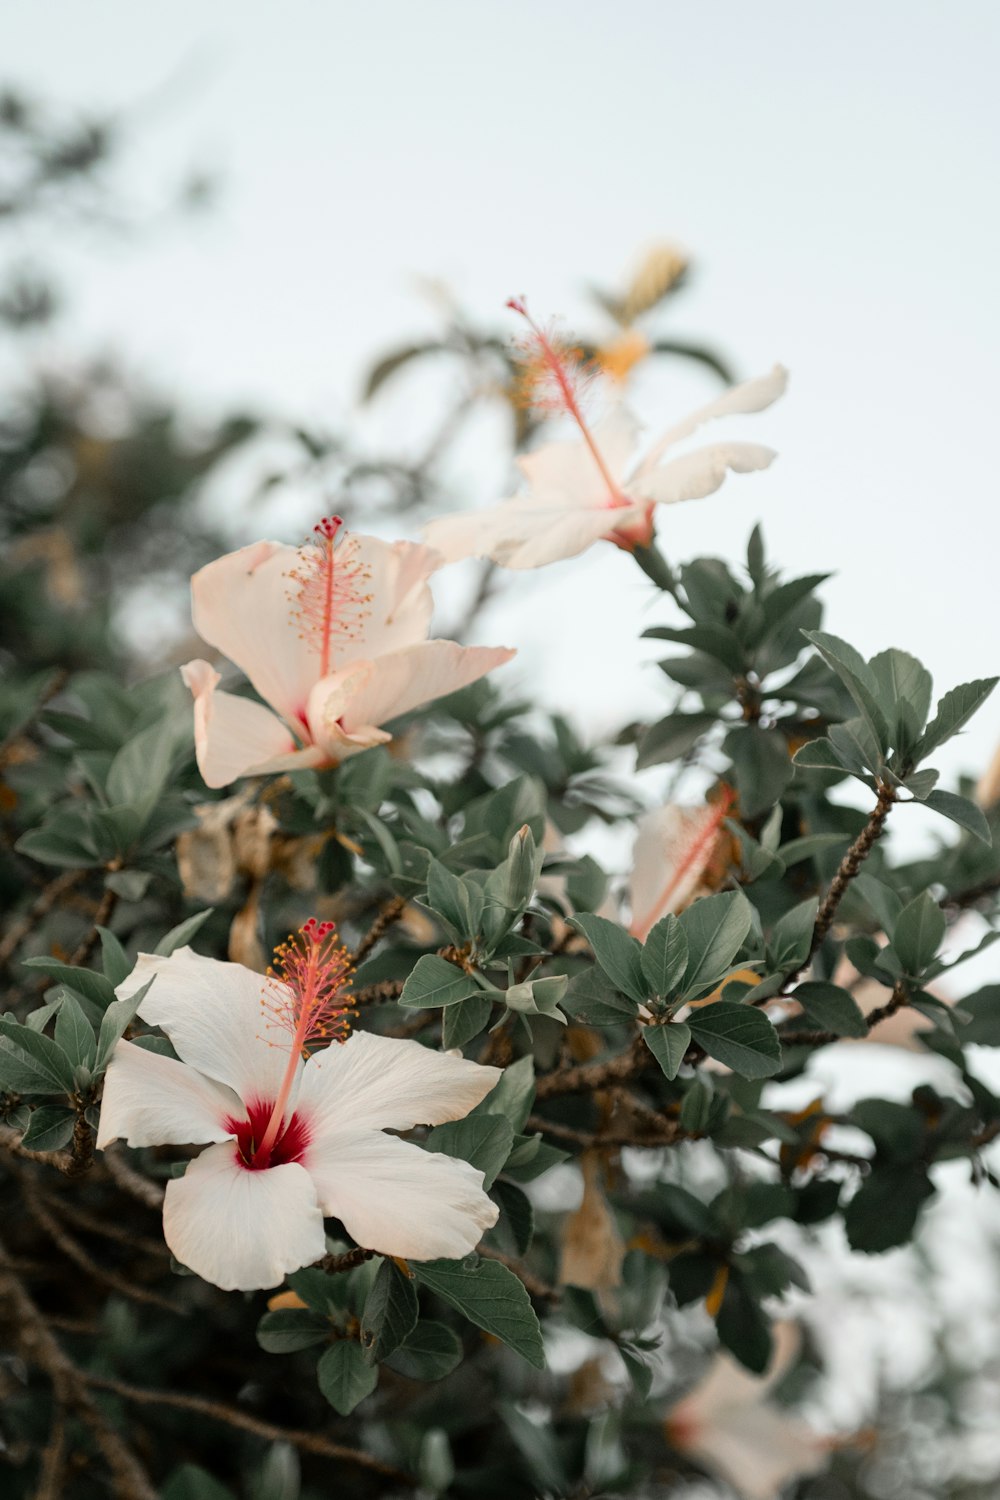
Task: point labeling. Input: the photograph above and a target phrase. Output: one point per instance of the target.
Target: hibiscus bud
(524, 863)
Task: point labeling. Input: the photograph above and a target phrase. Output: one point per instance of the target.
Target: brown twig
(102, 916)
(141, 1188)
(899, 997)
(50, 1478)
(375, 994)
(39, 908)
(390, 913)
(669, 1134)
(308, 1442)
(129, 1480)
(71, 1163)
(850, 865)
(586, 1077)
(76, 1253)
(533, 1285)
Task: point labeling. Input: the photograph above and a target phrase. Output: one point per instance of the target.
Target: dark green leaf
(433, 981)
(918, 933)
(485, 1141)
(345, 1377)
(431, 1352)
(831, 1008)
(290, 1328)
(715, 928)
(665, 956)
(492, 1297)
(390, 1312)
(954, 710)
(668, 1045)
(50, 1128)
(884, 1211)
(617, 952)
(739, 1036)
(961, 811)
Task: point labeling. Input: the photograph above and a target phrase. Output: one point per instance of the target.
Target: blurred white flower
(728, 1424)
(583, 491)
(333, 635)
(291, 1138)
(673, 848)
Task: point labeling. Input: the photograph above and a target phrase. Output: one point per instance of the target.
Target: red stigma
(329, 527)
(289, 1146)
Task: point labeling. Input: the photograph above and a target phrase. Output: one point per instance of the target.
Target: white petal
(213, 1014)
(243, 605)
(381, 1083)
(569, 471)
(751, 396)
(401, 602)
(700, 473)
(236, 737)
(242, 1230)
(759, 1449)
(672, 848)
(396, 683)
(151, 1100)
(556, 535)
(394, 1198)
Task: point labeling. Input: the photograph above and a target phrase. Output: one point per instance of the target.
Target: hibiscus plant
(365, 1130)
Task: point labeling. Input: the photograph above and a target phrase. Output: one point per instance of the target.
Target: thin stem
(851, 864)
(308, 1442)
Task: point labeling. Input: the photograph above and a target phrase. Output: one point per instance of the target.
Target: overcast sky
(833, 168)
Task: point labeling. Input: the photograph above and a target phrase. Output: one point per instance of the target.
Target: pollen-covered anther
(311, 999)
(553, 374)
(329, 596)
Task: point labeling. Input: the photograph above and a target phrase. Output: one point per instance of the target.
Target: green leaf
(182, 933)
(86, 982)
(517, 1215)
(918, 933)
(114, 1023)
(191, 1483)
(739, 1036)
(791, 939)
(36, 1060)
(512, 1095)
(818, 755)
(743, 1328)
(114, 959)
(345, 1377)
(858, 678)
(905, 685)
(390, 1312)
(761, 764)
(830, 1008)
(74, 1033)
(288, 1329)
(954, 710)
(430, 1352)
(592, 999)
(492, 1297)
(884, 1211)
(715, 928)
(458, 901)
(485, 1141)
(672, 737)
(139, 771)
(961, 811)
(434, 981)
(50, 1128)
(665, 956)
(460, 1023)
(617, 952)
(668, 1045)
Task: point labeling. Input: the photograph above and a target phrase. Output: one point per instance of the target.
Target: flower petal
(242, 604)
(556, 535)
(700, 473)
(673, 847)
(568, 470)
(750, 396)
(213, 1014)
(395, 684)
(151, 1100)
(397, 1199)
(381, 1083)
(242, 1230)
(401, 601)
(236, 737)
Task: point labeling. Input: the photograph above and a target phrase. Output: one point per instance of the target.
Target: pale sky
(832, 167)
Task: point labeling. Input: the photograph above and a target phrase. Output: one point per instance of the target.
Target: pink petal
(395, 684)
(151, 1100)
(568, 470)
(401, 602)
(399, 1200)
(673, 847)
(243, 605)
(242, 1230)
(235, 737)
(213, 1014)
(381, 1083)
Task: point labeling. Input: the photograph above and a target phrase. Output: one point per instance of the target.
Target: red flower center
(289, 1144)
